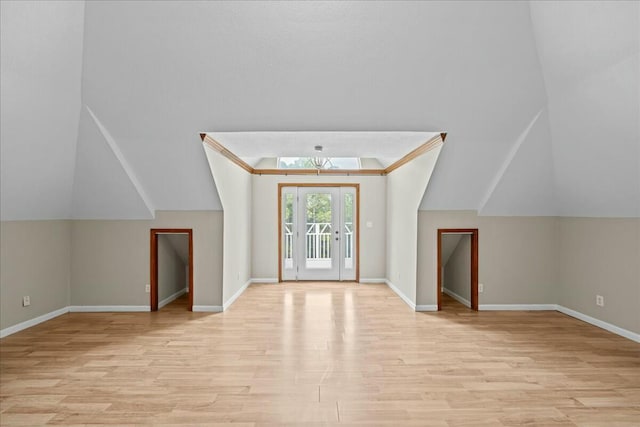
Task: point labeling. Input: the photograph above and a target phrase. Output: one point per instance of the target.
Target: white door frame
(287, 268)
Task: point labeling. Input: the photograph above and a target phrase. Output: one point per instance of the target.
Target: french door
(318, 233)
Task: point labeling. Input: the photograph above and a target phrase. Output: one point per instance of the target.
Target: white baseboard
(264, 280)
(172, 298)
(431, 307)
(457, 297)
(366, 281)
(32, 322)
(207, 308)
(217, 309)
(401, 294)
(235, 296)
(108, 308)
(517, 307)
(600, 324)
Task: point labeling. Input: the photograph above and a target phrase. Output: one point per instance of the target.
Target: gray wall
(601, 256)
(449, 244)
(545, 260)
(180, 243)
(34, 260)
(518, 256)
(110, 259)
(522, 260)
(171, 266)
(457, 270)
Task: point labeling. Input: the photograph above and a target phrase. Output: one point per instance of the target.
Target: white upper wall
(589, 53)
(235, 190)
(40, 77)
(405, 187)
(470, 69)
(515, 85)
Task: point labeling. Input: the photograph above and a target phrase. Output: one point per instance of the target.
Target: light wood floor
(319, 354)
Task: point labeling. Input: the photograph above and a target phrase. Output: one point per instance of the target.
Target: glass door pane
(348, 224)
(349, 229)
(318, 239)
(318, 231)
(288, 231)
(288, 236)
(319, 242)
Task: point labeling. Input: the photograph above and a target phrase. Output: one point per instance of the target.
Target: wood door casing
(153, 274)
(474, 263)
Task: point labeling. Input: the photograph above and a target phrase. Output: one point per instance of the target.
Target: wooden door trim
(153, 274)
(281, 185)
(474, 263)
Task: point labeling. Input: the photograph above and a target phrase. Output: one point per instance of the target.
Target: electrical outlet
(147, 288)
(26, 301)
(599, 300)
(480, 288)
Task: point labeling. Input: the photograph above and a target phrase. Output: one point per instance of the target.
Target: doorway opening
(171, 273)
(458, 265)
(318, 238)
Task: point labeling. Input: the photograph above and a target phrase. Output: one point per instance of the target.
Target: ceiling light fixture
(319, 162)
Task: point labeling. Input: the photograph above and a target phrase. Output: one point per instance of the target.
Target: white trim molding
(401, 295)
(600, 324)
(517, 307)
(172, 298)
(33, 322)
(108, 308)
(235, 296)
(429, 307)
(264, 280)
(422, 308)
(207, 308)
(457, 297)
(372, 281)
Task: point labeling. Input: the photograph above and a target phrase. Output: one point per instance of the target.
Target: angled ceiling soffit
(427, 146)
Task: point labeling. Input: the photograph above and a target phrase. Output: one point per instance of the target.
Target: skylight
(318, 163)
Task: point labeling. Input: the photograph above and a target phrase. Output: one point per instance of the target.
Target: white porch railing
(318, 241)
(288, 240)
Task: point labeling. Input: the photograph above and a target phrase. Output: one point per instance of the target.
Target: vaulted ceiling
(103, 101)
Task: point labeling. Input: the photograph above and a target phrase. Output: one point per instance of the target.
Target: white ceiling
(40, 96)
(386, 147)
(540, 100)
(589, 52)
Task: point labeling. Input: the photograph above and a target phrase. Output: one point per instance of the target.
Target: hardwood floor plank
(319, 354)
